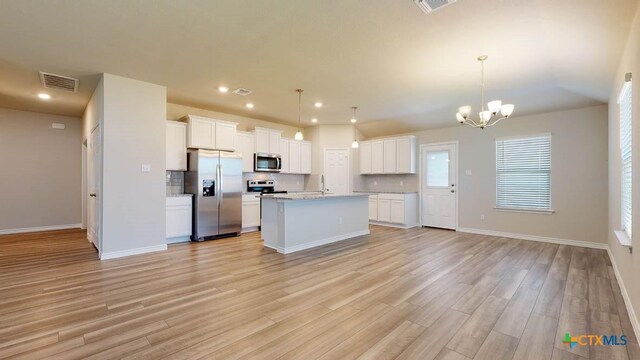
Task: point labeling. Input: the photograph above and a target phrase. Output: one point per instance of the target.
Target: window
(625, 155)
(523, 173)
(438, 168)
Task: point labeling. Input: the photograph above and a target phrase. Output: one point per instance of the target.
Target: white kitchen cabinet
(295, 155)
(406, 155)
(389, 157)
(176, 146)
(274, 142)
(396, 210)
(377, 157)
(284, 155)
(305, 157)
(365, 157)
(245, 145)
(200, 133)
(267, 140)
(373, 207)
(178, 218)
(225, 136)
(250, 212)
(384, 210)
(205, 133)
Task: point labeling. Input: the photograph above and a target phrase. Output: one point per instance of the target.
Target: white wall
(133, 132)
(578, 177)
(627, 264)
(41, 171)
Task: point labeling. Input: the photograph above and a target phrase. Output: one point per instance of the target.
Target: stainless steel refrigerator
(215, 179)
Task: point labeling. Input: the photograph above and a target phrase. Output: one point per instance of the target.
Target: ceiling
(404, 69)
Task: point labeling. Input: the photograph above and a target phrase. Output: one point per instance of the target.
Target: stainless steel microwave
(263, 162)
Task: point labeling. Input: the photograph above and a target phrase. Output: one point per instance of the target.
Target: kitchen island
(294, 222)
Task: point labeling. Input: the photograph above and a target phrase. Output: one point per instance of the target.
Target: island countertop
(310, 196)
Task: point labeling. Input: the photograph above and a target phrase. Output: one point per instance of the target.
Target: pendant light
(355, 143)
(299, 135)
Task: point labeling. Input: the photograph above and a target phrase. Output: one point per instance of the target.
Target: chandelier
(487, 117)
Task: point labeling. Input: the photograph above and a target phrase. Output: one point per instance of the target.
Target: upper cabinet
(205, 133)
(176, 148)
(284, 155)
(297, 160)
(388, 156)
(245, 145)
(267, 140)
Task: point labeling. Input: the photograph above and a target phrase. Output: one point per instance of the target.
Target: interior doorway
(336, 170)
(439, 185)
(93, 188)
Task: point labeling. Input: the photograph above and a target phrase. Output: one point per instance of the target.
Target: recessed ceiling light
(44, 96)
(314, 120)
(353, 120)
(318, 104)
(223, 89)
(249, 105)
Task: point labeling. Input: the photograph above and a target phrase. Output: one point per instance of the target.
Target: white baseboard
(178, 239)
(586, 244)
(399, 226)
(40, 228)
(138, 251)
(625, 296)
(291, 249)
(250, 229)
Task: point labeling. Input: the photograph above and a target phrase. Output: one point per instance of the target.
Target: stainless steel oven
(263, 162)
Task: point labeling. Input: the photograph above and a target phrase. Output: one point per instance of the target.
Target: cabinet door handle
(453, 191)
(92, 195)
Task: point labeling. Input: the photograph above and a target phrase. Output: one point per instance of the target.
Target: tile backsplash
(175, 182)
(382, 183)
(288, 182)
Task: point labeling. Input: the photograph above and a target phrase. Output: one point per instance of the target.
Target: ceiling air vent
(242, 91)
(58, 82)
(429, 6)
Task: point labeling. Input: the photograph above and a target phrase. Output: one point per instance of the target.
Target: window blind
(523, 173)
(625, 101)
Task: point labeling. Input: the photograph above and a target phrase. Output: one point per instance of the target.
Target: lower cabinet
(399, 210)
(250, 212)
(178, 212)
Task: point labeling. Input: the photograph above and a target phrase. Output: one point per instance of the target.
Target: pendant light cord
(299, 106)
(482, 82)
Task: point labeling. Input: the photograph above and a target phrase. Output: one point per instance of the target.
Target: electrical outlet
(375, 183)
(468, 172)
(146, 167)
(401, 183)
(482, 217)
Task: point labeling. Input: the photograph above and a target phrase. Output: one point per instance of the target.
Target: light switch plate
(468, 172)
(146, 167)
(58, 126)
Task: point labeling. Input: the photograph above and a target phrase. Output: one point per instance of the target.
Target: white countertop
(311, 196)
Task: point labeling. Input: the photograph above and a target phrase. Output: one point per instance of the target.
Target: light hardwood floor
(395, 294)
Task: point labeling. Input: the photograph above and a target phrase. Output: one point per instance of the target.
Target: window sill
(526, 211)
(623, 238)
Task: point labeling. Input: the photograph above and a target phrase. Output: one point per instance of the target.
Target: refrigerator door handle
(218, 187)
(221, 186)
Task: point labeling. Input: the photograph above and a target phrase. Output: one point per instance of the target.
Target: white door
(336, 170)
(439, 185)
(93, 186)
